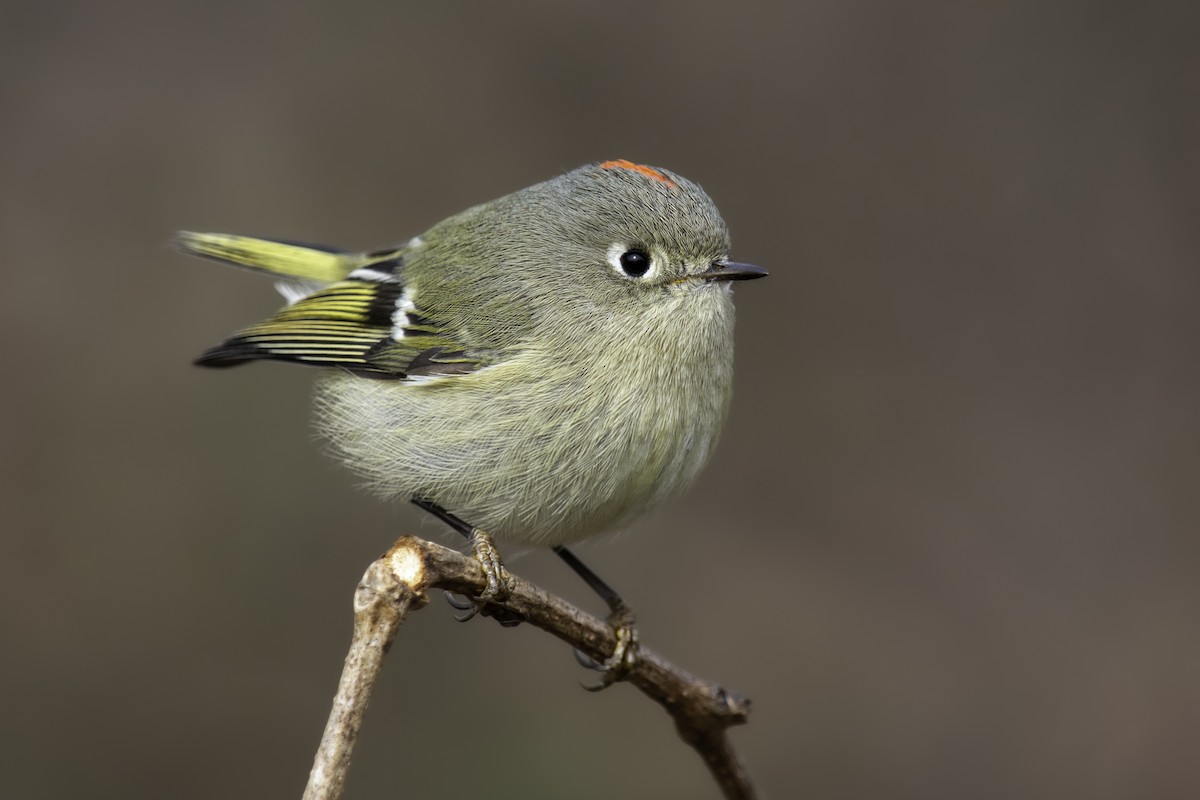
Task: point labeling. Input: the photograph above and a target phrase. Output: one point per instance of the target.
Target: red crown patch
(649, 172)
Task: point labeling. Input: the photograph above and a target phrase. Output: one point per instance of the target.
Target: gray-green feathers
(559, 360)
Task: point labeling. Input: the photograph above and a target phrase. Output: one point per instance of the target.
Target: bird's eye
(632, 260)
(635, 263)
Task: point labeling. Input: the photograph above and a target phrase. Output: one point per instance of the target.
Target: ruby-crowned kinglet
(547, 366)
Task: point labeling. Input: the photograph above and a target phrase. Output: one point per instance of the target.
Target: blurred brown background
(949, 543)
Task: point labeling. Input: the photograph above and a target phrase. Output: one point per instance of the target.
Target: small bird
(543, 367)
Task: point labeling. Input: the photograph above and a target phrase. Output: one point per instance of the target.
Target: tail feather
(284, 259)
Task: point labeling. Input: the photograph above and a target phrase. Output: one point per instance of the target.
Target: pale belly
(547, 461)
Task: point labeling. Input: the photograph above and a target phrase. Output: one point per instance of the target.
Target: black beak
(732, 271)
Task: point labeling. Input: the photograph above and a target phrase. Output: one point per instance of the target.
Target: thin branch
(399, 581)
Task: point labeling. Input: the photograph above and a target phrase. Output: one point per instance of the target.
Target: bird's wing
(364, 320)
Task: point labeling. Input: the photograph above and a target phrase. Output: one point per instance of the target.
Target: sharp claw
(587, 662)
(458, 602)
(464, 604)
(595, 687)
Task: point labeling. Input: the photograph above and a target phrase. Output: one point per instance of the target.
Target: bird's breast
(569, 437)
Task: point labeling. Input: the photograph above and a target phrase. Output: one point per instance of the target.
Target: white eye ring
(632, 262)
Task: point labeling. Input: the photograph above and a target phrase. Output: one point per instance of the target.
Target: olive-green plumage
(545, 366)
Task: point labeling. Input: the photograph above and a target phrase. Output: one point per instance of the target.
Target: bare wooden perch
(397, 583)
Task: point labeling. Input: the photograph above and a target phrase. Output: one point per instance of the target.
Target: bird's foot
(624, 657)
(497, 589)
(499, 583)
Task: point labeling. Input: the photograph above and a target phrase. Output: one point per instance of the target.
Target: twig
(398, 582)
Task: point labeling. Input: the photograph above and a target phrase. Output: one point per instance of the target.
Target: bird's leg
(484, 549)
(620, 617)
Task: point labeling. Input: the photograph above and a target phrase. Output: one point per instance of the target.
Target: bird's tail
(283, 259)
